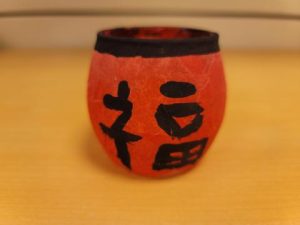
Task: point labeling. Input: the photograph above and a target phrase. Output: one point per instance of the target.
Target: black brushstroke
(170, 156)
(174, 89)
(116, 132)
(165, 113)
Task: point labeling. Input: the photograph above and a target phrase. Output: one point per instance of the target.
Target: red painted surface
(144, 77)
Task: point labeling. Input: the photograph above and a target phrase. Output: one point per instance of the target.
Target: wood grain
(54, 172)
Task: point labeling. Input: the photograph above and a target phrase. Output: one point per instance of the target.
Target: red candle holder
(156, 97)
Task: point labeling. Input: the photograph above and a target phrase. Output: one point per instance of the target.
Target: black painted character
(121, 137)
(177, 155)
(171, 156)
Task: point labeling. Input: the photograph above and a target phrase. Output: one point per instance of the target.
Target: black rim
(156, 42)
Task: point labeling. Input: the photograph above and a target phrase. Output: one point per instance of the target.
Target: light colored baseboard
(258, 6)
(36, 32)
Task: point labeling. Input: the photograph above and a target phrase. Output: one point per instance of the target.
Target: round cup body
(156, 97)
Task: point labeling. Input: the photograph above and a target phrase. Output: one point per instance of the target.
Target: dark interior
(155, 33)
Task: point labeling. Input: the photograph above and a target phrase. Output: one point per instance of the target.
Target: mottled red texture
(145, 76)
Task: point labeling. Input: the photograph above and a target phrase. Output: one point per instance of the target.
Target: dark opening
(156, 33)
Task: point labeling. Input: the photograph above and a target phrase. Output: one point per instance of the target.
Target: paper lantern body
(155, 110)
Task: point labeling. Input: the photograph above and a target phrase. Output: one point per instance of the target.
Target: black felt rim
(130, 47)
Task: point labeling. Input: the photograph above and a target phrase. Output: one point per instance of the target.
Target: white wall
(241, 24)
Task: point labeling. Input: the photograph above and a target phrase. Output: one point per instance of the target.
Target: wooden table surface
(54, 172)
